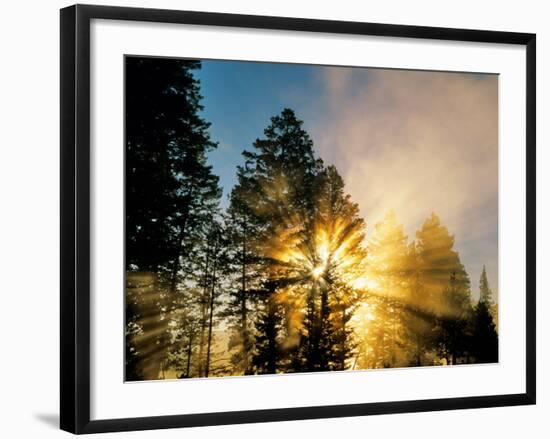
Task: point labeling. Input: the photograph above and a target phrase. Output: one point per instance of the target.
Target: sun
(318, 271)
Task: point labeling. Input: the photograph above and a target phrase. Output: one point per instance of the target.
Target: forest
(289, 277)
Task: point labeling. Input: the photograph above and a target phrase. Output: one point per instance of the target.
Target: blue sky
(239, 100)
(411, 141)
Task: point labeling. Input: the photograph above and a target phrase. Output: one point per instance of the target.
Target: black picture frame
(75, 217)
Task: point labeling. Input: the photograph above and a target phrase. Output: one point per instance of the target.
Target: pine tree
(185, 342)
(453, 337)
(170, 191)
(335, 246)
(485, 293)
(446, 287)
(221, 268)
(484, 342)
(269, 324)
(417, 320)
(241, 229)
(275, 192)
(387, 265)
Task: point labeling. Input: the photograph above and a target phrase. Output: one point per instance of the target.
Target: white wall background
(29, 200)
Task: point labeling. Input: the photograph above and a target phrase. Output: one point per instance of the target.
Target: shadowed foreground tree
(171, 194)
(485, 337)
(453, 321)
(242, 228)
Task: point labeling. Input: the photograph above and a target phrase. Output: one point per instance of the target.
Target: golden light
(328, 257)
(318, 271)
(324, 252)
(363, 322)
(365, 313)
(364, 283)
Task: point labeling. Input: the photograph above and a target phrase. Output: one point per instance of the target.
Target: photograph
(293, 218)
(275, 220)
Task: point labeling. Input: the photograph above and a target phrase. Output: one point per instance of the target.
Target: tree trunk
(244, 317)
(189, 353)
(312, 329)
(323, 340)
(211, 317)
(203, 313)
(343, 343)
(272, 337)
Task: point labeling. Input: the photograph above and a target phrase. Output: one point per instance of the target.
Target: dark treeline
(286, 279)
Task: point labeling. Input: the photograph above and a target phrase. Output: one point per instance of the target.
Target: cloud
(417, 142)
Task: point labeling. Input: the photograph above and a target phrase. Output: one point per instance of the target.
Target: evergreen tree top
(485, 293)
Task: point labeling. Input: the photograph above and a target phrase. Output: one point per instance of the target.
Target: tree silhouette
(170, 194)
(485, 338)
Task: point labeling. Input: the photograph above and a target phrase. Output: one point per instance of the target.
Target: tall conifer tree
(171, 191)
(485, 337)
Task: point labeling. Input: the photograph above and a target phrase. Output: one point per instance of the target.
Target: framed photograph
(268, 218)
